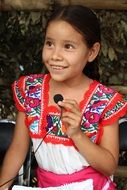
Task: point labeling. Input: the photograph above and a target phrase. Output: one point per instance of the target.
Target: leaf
(124, 25)
(35, 17)
(111, 54)
(104, 49)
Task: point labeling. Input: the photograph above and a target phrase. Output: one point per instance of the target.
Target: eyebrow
(69, 41)
(47, 38)
(65, 41)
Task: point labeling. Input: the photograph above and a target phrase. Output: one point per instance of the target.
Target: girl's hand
(71, 116)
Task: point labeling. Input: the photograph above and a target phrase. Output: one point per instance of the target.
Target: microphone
(57, 98)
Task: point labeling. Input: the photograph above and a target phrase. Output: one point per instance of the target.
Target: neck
(73, 90)
(71, 83)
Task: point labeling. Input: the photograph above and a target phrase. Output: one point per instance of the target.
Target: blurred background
(22, 25)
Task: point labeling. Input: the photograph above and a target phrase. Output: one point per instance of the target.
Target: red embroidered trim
(117, 97)
(120, 113)
(44, 103)
(58, 140)
(21, 86)
(45, 109)
(114, 117)
(87, 95)
(53, 139)
(54, 110)
(110, 121)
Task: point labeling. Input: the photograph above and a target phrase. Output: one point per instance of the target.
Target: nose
(56, 54)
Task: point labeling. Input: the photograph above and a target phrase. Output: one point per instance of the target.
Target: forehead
(62, 29)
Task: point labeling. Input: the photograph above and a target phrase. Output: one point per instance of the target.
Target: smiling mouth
(57, 67)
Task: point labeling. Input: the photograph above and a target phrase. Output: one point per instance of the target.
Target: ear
(94, 51)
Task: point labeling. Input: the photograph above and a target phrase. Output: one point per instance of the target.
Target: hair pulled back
(86, 23)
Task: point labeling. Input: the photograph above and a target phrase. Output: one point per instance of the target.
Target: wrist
(78, 136)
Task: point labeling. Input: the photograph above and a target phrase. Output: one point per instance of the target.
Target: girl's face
(65, 53)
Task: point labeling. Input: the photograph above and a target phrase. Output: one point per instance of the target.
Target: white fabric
(85, 185)
(58, 158)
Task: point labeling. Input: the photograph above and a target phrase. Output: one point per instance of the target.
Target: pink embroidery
(92, 117)
(99, 106)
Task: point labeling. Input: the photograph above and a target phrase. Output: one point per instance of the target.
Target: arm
(102, 157)
(16, 153)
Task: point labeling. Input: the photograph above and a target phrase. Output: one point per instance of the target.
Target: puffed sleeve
(18, 88)
(116, 108)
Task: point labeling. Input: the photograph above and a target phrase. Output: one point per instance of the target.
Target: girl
(80, 132)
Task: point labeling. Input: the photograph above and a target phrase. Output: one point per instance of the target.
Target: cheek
(44, 55)
(76, 59)
(71, 57)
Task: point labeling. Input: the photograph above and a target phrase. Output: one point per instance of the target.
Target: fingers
(70, 106)
(73, 122)
(71, 114)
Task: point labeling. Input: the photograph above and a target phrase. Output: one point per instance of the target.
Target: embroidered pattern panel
(100, 106)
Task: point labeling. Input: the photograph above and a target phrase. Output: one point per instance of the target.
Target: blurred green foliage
(113, 57)
(21, 40)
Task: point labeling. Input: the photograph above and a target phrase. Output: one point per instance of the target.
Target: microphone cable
(14, 178)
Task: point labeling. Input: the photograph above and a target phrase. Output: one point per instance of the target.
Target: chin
(57, 78)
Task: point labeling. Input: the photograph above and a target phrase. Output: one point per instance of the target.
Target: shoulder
(107, 100)
(24, 82)
(115, 106)
(26, 86)
(106, 91)
(34, 78)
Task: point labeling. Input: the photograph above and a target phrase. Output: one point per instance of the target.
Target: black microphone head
(57, 98)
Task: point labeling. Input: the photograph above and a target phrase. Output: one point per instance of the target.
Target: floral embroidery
(34, 127)
(100, 105)
(114, 109)
(58, 127)
(33, 102)
(92, 117)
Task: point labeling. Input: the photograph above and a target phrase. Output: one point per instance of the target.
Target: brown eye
(48, 43)
(69, 46)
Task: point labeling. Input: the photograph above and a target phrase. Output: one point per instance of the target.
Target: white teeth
(57, 67)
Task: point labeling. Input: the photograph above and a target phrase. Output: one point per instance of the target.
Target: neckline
(46, 110)
(55, 109)
(87, 95)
